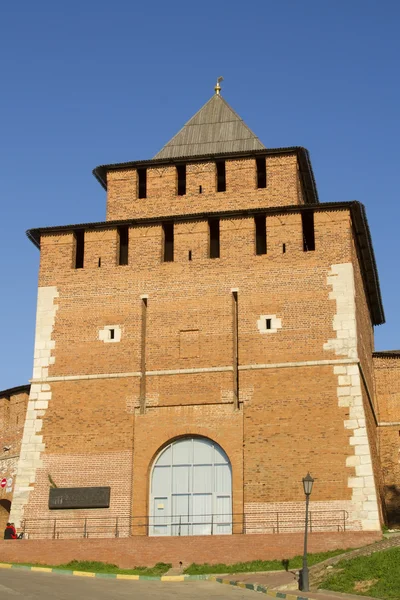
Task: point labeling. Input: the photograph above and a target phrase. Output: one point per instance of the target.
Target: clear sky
(85, 83)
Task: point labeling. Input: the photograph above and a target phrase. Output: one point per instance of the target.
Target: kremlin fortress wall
(196, 354)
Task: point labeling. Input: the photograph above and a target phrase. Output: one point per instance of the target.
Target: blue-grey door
(191, 489)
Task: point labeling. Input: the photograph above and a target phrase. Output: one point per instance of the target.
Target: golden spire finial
(218, 87)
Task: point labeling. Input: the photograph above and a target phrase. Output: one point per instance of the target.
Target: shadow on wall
(392, 505)
(5, 507)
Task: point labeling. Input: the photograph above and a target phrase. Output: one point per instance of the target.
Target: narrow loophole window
(112, 334)
(181, 177)
(261, 234)
(261, 172)
(123, 242)
(200, 189)
(168, 234)
(142, 183)
(268, 324)
(307, 219)
(221, 176)
(79, 248)
(190, 255)
(99, 262)
(214, 245)
(283, 248)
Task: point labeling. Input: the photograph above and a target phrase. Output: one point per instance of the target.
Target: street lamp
(307, 486)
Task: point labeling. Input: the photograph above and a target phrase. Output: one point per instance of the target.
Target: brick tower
(206, 346)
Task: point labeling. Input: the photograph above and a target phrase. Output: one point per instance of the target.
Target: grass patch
(261, 565)
(377, 575)
(100, 567)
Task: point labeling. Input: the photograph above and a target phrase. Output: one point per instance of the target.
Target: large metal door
(191, 489)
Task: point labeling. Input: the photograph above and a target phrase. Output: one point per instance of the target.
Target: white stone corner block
(353, 461)
(355, 482)
(359, 441)
(364, 470)
(370, 525)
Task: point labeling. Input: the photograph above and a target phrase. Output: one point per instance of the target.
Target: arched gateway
(191, 489)
(5, 507)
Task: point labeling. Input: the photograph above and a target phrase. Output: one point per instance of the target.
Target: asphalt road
(27, 585)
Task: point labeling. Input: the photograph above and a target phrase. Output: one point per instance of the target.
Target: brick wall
(387, 383)
(12, 418)
(143, 551)
(192, 295)
(291, 416)
(92, 427)
(365, 346)
(283, 188)
(365, 343)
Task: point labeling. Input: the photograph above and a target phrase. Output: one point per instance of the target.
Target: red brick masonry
(144, 551)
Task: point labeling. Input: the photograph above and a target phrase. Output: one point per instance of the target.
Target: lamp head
(308, 484)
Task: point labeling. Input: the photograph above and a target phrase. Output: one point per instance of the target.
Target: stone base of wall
(147, 551)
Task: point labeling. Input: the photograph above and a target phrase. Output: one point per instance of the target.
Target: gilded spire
(218, 87)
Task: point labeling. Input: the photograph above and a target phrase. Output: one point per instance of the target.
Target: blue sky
(88, 83)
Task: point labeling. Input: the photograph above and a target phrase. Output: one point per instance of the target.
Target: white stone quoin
(32, 442)
(364, 501)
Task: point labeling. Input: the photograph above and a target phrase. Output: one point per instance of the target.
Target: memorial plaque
(89, 497)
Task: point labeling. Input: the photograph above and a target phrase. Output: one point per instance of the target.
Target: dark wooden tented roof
(216, 128)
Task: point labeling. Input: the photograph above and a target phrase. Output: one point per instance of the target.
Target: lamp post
(307, 486)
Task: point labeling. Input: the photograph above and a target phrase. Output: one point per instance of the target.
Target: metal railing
(73, 527)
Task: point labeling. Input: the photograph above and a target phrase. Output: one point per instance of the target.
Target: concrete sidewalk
(281, 584)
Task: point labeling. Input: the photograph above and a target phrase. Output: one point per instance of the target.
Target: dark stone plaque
(90, 497)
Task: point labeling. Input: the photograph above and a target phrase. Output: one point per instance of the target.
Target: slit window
(261, 234)
(268, 323)
(213, 228)
(142, 183)
(111, 333)
(221, 176)
(261, 172)
(307, 220)
(181, 175)
(79, 248)
(168, 233)
(123, 238)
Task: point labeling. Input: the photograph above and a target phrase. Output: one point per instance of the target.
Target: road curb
(258, 588)
(102, 575)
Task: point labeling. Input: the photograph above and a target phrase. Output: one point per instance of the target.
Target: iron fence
(74, 527)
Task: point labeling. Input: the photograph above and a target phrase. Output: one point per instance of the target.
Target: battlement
(157, 188)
